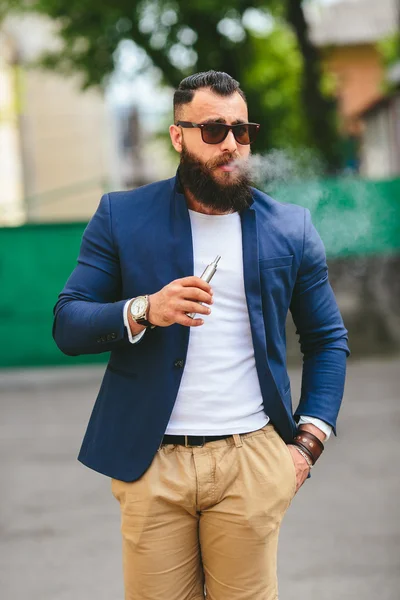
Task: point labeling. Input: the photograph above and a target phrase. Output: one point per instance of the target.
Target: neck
(197, 206)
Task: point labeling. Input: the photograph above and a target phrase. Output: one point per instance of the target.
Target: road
(59, 524)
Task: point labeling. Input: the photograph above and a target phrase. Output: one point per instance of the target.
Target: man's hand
(300, 463)
(301, 466)
(170, 305)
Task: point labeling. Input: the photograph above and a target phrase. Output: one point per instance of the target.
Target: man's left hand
(301, 466)
(300, 463)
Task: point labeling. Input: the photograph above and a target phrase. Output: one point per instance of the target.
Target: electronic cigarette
(207, 276)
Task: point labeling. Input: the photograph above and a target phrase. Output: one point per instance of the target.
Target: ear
(175, 133)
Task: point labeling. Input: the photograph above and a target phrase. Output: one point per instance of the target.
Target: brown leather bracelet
(305, 450)
(309, 443)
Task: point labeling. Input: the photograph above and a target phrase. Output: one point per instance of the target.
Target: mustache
(220, 162)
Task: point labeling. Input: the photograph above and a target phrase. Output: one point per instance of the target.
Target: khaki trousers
(206, 520)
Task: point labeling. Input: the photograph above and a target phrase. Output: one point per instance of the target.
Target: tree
(319, 109)
(278, 67)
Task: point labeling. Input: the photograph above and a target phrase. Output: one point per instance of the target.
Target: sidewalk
(59, 523)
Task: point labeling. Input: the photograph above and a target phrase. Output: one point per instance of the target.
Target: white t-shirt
(220, 391)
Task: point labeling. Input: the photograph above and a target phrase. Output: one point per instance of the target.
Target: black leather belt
(192, 440)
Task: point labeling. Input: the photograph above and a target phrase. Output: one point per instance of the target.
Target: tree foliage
(276, 65)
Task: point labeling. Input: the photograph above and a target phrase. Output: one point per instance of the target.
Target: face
(212, 172)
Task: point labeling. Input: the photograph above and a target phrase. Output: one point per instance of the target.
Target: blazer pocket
(276, 261)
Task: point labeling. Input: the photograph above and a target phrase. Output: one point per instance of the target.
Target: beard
(225, 196)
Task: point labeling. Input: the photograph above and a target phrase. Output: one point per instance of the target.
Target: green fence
(353, 217)
(36, 260)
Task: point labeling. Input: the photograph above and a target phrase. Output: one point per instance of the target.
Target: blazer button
(179, 363)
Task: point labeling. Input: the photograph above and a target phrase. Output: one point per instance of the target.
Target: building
(347, 33)
(58, 151)
(380, 139)
(11, 176)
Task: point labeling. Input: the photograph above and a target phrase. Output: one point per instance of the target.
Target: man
(193, 421)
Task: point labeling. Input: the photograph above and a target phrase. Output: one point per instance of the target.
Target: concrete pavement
(59, 524)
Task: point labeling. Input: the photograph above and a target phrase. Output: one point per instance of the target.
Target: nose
(229, 143)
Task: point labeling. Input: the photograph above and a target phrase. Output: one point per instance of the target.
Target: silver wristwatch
(139, 310)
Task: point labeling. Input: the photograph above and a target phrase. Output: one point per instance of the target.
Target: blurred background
(85, 103)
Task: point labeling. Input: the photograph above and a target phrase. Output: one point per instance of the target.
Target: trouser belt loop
(238, 440)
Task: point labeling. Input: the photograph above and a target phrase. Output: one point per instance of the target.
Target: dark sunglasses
(215, 133)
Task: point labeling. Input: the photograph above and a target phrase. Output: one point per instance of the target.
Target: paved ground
(59, 524)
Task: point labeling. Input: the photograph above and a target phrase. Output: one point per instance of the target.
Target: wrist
(152, 312)
(139, 311)
(310, 444)
(304, 455)
(135, 327)
(321, 435)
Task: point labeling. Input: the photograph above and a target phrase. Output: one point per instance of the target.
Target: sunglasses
(215, 133)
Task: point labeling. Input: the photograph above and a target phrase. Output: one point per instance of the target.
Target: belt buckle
(187, 445)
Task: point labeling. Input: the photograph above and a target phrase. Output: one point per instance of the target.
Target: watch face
(138, 308)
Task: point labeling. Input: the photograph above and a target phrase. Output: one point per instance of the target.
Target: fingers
(195, 282)
(193, 307)
(192, 293)
(188, 322)
(179, 298)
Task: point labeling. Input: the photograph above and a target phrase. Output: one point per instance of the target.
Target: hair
(220, 83)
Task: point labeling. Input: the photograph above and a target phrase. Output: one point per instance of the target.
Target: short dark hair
(220, 83)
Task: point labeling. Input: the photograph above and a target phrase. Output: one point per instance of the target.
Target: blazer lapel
(273, 403)
(251, 276)
(181, 234)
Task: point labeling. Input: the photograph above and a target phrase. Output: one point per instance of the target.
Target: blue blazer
(136, 243)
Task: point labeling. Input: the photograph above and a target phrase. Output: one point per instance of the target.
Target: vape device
(207, 276)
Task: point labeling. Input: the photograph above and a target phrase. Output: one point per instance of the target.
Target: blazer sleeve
(322, 335)
(88, 316)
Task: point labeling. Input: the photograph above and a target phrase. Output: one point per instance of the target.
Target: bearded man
(194, 422)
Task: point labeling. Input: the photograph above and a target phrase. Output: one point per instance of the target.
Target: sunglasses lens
(213, 133)
(245, 134)
(241, 133)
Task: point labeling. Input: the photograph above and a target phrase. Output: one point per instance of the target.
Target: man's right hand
(170, 305)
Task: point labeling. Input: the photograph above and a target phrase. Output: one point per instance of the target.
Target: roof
(379, 103)
(351, 22)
